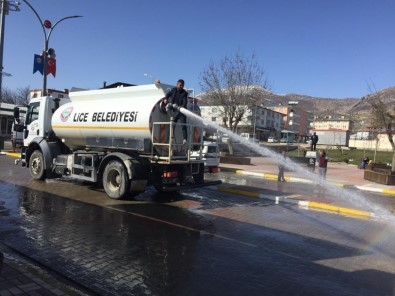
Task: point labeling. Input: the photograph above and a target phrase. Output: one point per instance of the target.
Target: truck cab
(40, 126)
(36, 125)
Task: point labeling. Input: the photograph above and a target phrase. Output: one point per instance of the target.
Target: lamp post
(253, 133)
(290, 126)
(6, 6)
(47, 25)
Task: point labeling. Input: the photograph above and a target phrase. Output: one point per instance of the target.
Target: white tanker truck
(121, 137)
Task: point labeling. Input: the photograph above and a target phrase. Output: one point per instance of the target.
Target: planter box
(379, 173)
(235, 160)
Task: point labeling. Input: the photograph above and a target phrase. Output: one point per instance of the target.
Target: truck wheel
(115, 180)
(36, 165)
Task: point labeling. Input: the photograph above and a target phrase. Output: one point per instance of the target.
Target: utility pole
(6, 6)
(47, 25)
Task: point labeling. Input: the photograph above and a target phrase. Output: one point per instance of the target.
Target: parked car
(272, 140)
(210, 155)
(285, 140)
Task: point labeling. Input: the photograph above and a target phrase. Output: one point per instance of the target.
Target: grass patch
(350, 156)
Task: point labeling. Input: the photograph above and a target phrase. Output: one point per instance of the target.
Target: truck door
(32, 123)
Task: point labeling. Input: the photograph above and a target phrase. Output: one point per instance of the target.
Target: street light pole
(5, 8)
(46, 42)
(253, 139)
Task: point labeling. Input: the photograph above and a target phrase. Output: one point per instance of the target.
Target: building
(7, 119)
(258, 120)
(333, 137)
(35, 93)
(334, 132)
(296, 120)
(340, 124)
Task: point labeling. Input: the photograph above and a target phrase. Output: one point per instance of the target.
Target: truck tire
(115, 180)
(36, 165)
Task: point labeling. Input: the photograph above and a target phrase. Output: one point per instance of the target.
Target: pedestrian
(281, 168)
(177, 97)
(322, 164)
(364, 163)
(314, 141)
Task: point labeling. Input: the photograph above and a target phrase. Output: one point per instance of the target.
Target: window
(32, 112)
(213, 118)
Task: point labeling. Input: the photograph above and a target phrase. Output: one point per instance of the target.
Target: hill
(356, 108)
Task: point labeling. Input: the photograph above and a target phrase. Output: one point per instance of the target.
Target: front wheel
(36, 165)
(115, 180)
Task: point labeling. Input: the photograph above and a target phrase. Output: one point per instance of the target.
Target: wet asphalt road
(192, 243)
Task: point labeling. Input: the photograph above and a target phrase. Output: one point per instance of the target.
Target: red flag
(51, 66)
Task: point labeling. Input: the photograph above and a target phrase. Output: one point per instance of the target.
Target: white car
(272, 140)
(210, 155)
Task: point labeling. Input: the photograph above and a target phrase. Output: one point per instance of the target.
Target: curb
(13, 154)
(271, 176)
(349, 212)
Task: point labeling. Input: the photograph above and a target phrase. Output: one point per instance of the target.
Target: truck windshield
(32, 112)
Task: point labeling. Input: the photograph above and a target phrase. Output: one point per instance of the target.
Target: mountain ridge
(356, 108)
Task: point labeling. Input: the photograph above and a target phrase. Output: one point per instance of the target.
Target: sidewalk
(17, 277)
(312, 196)
(340, 174)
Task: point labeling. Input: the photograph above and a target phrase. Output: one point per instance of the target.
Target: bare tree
(23, 96)
(383, 117)
(16, 97)
(7, 96)
(235, 85)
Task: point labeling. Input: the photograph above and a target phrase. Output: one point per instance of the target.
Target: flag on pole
(51, 66)
(38, 64)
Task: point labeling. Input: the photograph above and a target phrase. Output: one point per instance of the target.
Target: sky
(322, 48)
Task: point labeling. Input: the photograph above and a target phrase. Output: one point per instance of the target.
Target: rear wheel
(115, 180)
(36, 165)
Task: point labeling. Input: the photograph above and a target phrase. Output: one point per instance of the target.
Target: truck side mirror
(16, 114)
(57, 104)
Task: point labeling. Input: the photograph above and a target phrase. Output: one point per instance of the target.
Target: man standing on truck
(178, 97)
